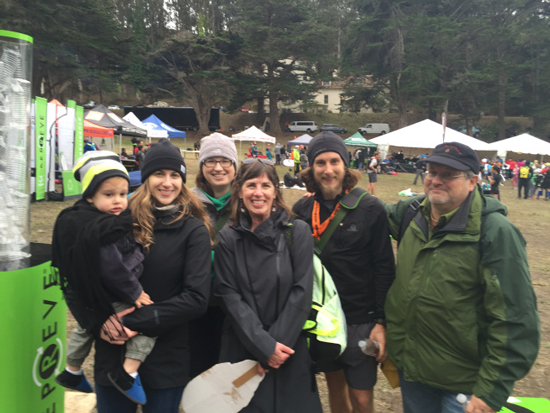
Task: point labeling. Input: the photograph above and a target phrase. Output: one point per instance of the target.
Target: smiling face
(329, 171)
(165, 186)
(258, 195)
(219, 177)
(446, 196)
(111, 196)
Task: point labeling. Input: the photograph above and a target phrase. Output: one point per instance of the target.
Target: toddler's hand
(143, 299)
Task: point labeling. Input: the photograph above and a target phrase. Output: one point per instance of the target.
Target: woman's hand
(143, 299)
(281, 354)
(114, 332)
(261, 370)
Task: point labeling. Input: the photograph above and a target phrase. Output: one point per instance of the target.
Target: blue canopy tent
(300, 140)
(155, 123)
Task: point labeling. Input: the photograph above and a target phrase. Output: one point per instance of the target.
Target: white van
(302, 126)
(374, 128)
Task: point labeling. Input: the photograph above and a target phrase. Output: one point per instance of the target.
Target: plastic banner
(40, 153)
(71, 186)
(32, 351)
(51, 149)
(78, 129)
(65, 138)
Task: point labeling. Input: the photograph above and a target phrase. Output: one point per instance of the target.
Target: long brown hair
(351, 178)
(251, 171)
(141, 204)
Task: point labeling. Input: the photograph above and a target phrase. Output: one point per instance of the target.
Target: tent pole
(120, 143)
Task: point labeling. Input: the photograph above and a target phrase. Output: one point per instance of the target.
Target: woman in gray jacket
(266, 289)
(217, 168)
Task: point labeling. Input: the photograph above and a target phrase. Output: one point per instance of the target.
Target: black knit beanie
(327, 142)
(163, 155)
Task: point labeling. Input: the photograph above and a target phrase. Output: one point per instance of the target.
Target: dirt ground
(531, 216)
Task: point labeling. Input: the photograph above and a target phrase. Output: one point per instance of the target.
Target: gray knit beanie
(218, 145)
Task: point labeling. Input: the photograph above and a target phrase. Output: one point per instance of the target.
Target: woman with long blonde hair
(174, 230)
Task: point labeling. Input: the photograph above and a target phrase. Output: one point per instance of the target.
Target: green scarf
(219, 203)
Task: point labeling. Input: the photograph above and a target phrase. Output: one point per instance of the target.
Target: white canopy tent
(253, 134)
(522, 144)
(423, 136)
(151, 133)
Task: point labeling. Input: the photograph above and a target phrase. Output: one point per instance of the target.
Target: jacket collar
(465, 220)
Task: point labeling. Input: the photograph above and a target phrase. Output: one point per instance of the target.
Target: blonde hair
(142, 202)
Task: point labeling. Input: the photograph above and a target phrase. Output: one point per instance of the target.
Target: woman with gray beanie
(217, 168)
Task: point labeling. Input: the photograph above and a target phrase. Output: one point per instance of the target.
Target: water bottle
(369, 347)
(462, 399)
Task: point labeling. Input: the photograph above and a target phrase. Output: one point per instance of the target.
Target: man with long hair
(359, 257)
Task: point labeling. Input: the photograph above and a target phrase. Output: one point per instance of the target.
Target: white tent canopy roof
(151, 133)
(427, 134)
(524, 143)
(253, 134)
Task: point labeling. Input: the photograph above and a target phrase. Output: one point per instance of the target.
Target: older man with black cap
(359, 257)
(461, 314)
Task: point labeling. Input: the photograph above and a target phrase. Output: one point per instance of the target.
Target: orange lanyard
(319, 228)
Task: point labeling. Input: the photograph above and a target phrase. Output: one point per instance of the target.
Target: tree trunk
(261, 109)
(203, 116)
(501, 104)
(274, 114)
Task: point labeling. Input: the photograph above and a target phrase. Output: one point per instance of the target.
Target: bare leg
(74, 368)
(131, 365)
(338, 394)
(362, 400)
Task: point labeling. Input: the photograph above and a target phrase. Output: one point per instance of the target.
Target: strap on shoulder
(409, 215)
(352, 198)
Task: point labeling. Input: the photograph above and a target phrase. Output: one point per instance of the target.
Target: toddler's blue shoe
(76, 382)
(127, 385)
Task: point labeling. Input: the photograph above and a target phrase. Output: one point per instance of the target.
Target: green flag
(41, 107)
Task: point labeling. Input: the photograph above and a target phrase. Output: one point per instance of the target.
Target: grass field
(531, 216)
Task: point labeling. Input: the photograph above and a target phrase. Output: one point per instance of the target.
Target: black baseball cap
(455, 155)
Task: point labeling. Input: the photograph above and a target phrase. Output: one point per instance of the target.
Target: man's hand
(114, 332)
(281, 354)
(378, 333)
(477, 405)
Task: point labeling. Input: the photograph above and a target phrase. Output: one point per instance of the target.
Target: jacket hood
(200, 194)
(268, 231)
(491, 204)
(203, 198)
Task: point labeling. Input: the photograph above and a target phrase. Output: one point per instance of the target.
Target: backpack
(326, 328)
(524, 172)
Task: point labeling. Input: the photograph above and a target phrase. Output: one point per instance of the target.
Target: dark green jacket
(461, 313)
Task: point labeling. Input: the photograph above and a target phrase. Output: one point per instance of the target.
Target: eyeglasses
(443, 176)
(224, 163)
(262, 160)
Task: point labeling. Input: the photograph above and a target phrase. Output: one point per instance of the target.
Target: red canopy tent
(92, 130)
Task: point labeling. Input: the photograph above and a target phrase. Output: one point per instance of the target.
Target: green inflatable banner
(41, 132)
(78, 129)
(32, 350)
(71, 187)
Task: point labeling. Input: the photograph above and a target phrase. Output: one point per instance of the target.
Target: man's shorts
(359, 369)
(373, 176)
